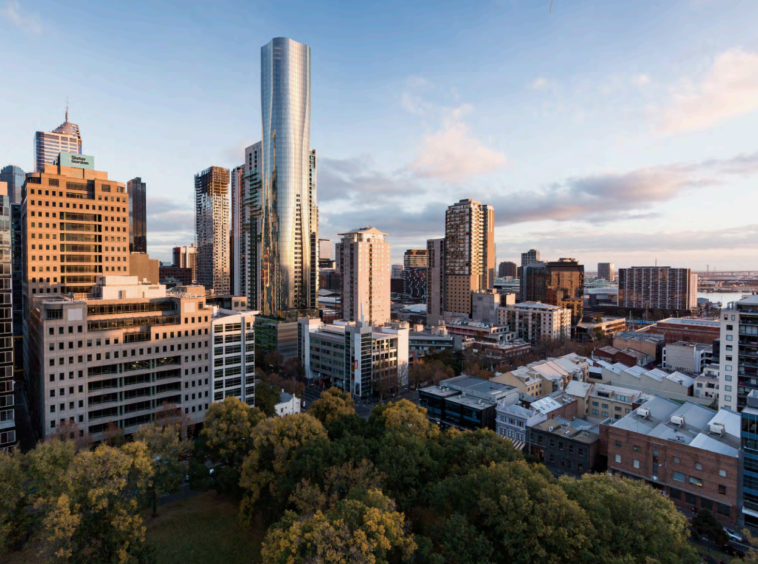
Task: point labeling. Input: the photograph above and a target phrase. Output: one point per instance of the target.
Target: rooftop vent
(677, 420)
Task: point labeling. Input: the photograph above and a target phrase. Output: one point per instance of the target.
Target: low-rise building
(233, 355)
(650, 344)
(465, 402)
(536, 322)
(478, 331)
(502, 352)
(674, 385)
(289, 404)
(435, 339)
(689, 452)
(627, 357)
(686, 356)
(566, 447)
(612, 402)
(592, 330)
(690, 329)
(513, 422)
(707, 383)
(545, 377)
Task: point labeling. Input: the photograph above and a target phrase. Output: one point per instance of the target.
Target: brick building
(566, 447)
(688, 329)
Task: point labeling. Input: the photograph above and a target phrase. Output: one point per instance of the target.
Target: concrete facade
(365, 269)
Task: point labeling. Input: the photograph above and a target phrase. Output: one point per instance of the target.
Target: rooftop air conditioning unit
(717, 428)
(677, 420)
(550, 428)
(643, 412)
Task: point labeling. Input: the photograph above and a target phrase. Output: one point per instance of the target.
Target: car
(733, 536)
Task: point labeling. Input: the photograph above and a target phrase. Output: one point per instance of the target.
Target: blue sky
(606, 131)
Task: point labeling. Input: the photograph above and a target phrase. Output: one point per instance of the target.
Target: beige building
(144, 268)
(535, 321)
(469, 253)
(365, 273)
(435, 282)
(545, 377)
(644, 342)
(116, 358)
(612, 402)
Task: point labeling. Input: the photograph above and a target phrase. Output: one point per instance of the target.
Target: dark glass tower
(15, 178)
(137, 191)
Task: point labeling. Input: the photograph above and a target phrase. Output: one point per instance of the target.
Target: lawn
(202, 528)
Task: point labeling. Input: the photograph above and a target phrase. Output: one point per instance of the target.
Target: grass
(202, 528)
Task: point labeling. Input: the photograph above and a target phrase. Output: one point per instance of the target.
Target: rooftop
(533, 305)
(691, 321)
(562, 428)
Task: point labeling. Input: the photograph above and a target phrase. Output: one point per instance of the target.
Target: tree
(13, 518)
(705, 523)
(164, 447)
(364, 530)
(275, 441)
(273, 361)
(267, 395)
(467, 451)
(227, 430)
(630, 520)
(333, 404)
(405, 417)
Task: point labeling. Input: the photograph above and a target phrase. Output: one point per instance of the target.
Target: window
(722, 473)
(722, 489)
(696, 481)
(636, 448)
(730, 338)
(729, 347)
(618, 458)
(618, 444)
(698, 466)
(636, 463)
(722, 509)
(678, 476)
(676, 460)
(690, 498)
(675, 494)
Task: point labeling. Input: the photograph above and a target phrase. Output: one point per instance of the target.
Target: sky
(612, 131)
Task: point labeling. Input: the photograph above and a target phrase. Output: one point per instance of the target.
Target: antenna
(66, 109)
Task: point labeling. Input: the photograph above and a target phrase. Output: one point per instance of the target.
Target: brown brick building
(687, 329)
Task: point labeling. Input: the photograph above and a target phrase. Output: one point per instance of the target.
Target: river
(723, 297)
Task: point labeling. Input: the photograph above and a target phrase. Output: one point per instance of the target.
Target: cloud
(356, 179)
(641, 80)
(28, 23)
(169, 223)
(453, 153)
(539, 83)
(728, 90)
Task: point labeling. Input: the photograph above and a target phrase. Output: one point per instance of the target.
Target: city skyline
(659, 149)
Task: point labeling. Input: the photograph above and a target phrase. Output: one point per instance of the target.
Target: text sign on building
(77, 161)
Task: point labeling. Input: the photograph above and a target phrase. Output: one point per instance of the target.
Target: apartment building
(8, 436)
(115, 357)
(689, 357)
(738, 363)
(364, 267)
(536, 322)
(613, 402)
(657, 287)
(233, 354)
(544, 377)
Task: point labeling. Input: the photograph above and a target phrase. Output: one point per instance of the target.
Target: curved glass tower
(289, 234)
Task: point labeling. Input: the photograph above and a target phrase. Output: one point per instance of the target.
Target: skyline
(639, 140)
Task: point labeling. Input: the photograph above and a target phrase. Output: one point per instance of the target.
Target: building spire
(66, 109)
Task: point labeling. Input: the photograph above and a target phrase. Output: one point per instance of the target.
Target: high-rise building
(530, 257)
(186, 257)
(415, 258)
(536, 322)
(289, 230)
(137, 191)
(364, 268)
(749, 430)
(8, 436)
(236, 244)
(415, 267)
(565, 286)
(66, 138)
(233, 364)
(469, 253)
(606, 271)
(14, 177)
(212, 229)
(325, 249)
(533, 282)
(657, 287)
(396, 271)
(738, 368)
(250, 253)
(435, 281)
(507, 269)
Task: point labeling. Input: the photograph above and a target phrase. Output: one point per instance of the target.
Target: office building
(606, 271)
(415, 258)
(325, 249)
(749, 435)
(415, 267)
(8, 437)
(565, 286)
(435, 286)
(364, 269)
(66, 138)
(738, 371)
(689, 452)
(14, 177)
(212, 229)
(251, 226)
(186, 257)
(137, 191)
(530, 257)
(507, 269)
(175, 275)
(17, 277)
(396, 272)
(533, 282)
(145, 269)
(657, 287)
(289, 230)
(115, 358)
(535, 322)
(233, 355)
(469, 254)
(236, 245)
(355, 357)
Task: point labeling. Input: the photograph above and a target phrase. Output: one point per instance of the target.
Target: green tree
(13, 515)
(164, 447)
(366, 530)
(630, 520)
(405, 417)
(227, 430)
(47, 463)
(467, 451)
(275, 441)
(267, 395)
(333, 404)
(705, 523)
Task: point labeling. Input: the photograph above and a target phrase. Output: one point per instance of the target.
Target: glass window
(618, 458)
(696, 481)
(722, 473)
(678, 476)
(636, 463)
(698, 466)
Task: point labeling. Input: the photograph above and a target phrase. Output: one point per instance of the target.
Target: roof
(563, 428)
(284, 397)
(552, 402)
(691, 321)
(516, 411)
(578, 389)
(533, 305)
(640, 337)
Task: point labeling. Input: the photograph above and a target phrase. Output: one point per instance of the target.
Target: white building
(535, 321)
(739, 352)
(233, 355)
(513, 421)
(289, 404)
(687, 356)
(364, 270)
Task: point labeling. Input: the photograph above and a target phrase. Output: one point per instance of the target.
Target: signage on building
(77, 161)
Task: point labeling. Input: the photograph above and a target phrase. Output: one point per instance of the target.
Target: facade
(251, 226)
(116, 359)
(233, 355)
(435, 286)
(364, 269)
(566, 447)
(513, 423)
(17, 277)
(484, 306)
(494, 334)
(362, 360)
(533, 282)
(325, 249)
(738, 366)
(674, 385)
(606, 271)
(186, 257)
(749, 435)
(689, 452)
(687, 357)
(66, 138)
(289, 230)
(688, 329)
(415, 268)
(289, 404)
(212, 229)
(236, 246)
(8, 437)
(137, 191)
(146, 270)
(530, 257)
(465, 402)
(422, 342)
(415, 258)
(506, 269)
(565, 286)
(183, 276)
(535, 322)
(279, 335)
(469, 253)
(657, 287)
(612, 402)
(650, 344)
(14, 177)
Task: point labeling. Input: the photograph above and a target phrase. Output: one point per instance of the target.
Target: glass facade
(289, 226)
(7, 393)
(14, 177)
(212, 229)
(137, 191)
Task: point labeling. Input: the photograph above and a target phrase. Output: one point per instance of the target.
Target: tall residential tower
(137, 191)
(365, 273)
(212, 229)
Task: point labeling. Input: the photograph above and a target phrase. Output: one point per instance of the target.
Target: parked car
(733, 536)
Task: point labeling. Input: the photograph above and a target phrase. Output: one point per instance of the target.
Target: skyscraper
(606, 271)
(469, 253)
(507, 269)
(289, 230)
(236, 237)
(565, 286)
(186, 257)
(530, 257)
(365, 272)
(250, 251)
(7, 419)
(14, 177)
(415, 267)
(435, 281)
(325, 249)
(212, 229)
(137, 191)
(48, 145)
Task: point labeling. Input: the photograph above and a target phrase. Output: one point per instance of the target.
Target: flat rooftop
(691, 321)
